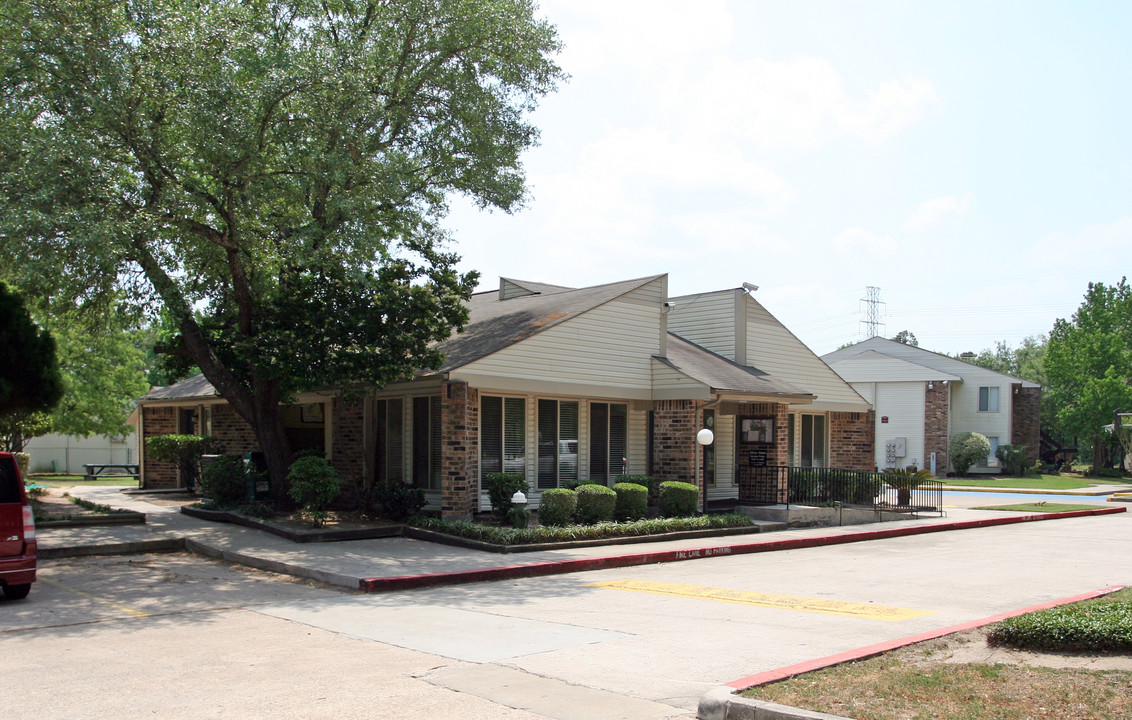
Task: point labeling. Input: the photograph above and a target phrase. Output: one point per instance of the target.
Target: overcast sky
(970, 159)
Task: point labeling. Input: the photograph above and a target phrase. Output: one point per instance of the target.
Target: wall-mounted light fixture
(931, 385)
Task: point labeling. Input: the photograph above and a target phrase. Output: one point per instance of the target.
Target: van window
(9, 480)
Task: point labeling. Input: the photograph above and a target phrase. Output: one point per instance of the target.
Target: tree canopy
(29, 370)
(271, 174)
(907, 337)
(1089, 361)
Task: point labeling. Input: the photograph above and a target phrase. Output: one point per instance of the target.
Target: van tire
(17, 592)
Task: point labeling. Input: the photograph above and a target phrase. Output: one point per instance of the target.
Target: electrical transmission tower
(872, 311)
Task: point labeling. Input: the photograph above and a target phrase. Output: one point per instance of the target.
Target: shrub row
(625, 501)
(1090, 627)
(506, 536)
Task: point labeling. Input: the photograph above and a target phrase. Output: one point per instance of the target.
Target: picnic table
(110, 470)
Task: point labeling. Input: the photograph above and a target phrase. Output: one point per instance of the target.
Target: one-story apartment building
(568, 384)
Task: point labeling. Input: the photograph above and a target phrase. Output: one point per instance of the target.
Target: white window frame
(992, 397)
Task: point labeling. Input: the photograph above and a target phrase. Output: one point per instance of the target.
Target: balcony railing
(781, 485)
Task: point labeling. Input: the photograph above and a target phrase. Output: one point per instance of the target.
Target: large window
(426, 442)
(813, 441)
(609, 448)
(389, 450)
(502, 432)
(557, 442)
(988, 399)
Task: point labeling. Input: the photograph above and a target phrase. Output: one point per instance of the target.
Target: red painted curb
(507, 572)
(871, 650)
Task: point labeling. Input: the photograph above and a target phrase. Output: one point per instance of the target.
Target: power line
(872, 310)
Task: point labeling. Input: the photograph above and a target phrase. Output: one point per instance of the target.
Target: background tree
(269, 175)
(1089, 365)
(29, 370)
(906, 337)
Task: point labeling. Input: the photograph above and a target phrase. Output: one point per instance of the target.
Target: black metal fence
(781, 485)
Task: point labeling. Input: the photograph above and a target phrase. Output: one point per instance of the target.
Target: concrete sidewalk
(401, 563)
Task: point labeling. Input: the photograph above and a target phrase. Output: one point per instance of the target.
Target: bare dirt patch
(960, 676)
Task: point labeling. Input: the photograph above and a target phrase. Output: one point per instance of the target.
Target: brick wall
(348, 448)
(936, 419)
(852, 440)
(1026, 422)
(752, 484)
(674, 441)
(459, 417)
(232, 431)
(157, 421)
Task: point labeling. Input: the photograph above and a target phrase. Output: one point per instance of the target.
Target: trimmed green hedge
(1089, 627)
(632, 501)
(557, 506)
(505, 536)
(678, 499)
(595, 504)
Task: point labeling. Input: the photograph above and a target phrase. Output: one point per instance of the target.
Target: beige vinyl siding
(774, 349)
(707, 320)
(965, 414)
(610, 347)
(903, 404)
(724, 459)
(638, 441)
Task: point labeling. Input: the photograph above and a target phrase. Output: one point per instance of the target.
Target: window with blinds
(609, 446)
(502, 432)
(557, 442)
(426, 442)
(389, 450)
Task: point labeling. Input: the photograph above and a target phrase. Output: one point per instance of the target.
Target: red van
(17, 532)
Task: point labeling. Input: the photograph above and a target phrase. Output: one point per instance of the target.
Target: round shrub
(314, 485)
(966, 449)
(595, 504)
(225, 480)
(678, 499)
(632, 501)
(557, 507)
(501, 487)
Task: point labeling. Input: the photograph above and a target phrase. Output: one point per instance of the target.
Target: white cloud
(661, 33)
(932, 213)
(858, 240)
(801, 103)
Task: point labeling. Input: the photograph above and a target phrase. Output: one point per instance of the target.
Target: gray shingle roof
(194, 387)
(722, 375)
(492, 326)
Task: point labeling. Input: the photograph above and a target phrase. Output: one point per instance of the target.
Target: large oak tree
(270, 174)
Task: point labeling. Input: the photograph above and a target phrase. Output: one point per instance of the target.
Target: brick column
(852, 440)
(348, 449)
(157, 421)
(674, 441)
(459, 417)
(936, 420)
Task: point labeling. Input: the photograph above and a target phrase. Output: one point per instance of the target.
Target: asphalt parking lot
(191, 637)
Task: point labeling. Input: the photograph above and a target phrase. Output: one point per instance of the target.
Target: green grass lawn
(1045, 482)
(64, 480)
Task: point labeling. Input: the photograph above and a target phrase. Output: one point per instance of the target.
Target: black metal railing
(782, 485)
